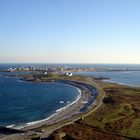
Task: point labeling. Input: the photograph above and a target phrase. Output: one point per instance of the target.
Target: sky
(70, 31)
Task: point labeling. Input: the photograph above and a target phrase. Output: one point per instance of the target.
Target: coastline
(64, 113)
(69, 114)
(120, 83)
(74, 106)
(57, 112)
(86, 122)
(50, 120)
(124, 106)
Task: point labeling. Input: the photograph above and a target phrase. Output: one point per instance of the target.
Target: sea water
(22, 102)
(131, 78)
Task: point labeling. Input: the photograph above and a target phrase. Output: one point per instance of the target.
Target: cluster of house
(19, 69)
(29, 69)
(67, 73)
(44, 71)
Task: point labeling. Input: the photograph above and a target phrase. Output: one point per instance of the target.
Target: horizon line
(66, 63)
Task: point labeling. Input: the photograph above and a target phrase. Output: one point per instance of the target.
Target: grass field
(115, 117)
(118, 118)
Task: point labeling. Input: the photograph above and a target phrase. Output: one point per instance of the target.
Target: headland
(113, 115)
(68, 114)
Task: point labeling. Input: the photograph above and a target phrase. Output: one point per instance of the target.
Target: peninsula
(103, 110)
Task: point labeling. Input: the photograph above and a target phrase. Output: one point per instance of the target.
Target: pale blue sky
(70, 31)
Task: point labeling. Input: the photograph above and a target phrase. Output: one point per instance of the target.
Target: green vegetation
(122, 116)
(119, 114)
(117, 118)
(115, 115)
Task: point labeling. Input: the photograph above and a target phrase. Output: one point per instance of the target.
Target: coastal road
(87, 89)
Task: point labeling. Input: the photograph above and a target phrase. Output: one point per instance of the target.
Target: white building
(68, 74)
(45, 73)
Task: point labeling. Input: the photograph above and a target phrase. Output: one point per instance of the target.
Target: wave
(46, 119)
(64, 108)
(21, 81)
(10, 126)
(20, 108)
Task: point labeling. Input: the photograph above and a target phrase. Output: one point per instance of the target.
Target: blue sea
(129, 66)
(23, 102)
(130, 78)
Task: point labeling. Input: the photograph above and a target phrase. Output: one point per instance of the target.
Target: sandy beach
(67, 115)
(68, 111)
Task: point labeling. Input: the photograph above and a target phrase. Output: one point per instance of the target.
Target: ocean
(130, 78)
(24, 102)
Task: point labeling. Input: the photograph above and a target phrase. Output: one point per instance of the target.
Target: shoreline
(30, 124)
(69, 114)
(121, 84)
(66, 112)
(89, 117)
(58, 111)
(79, 102)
